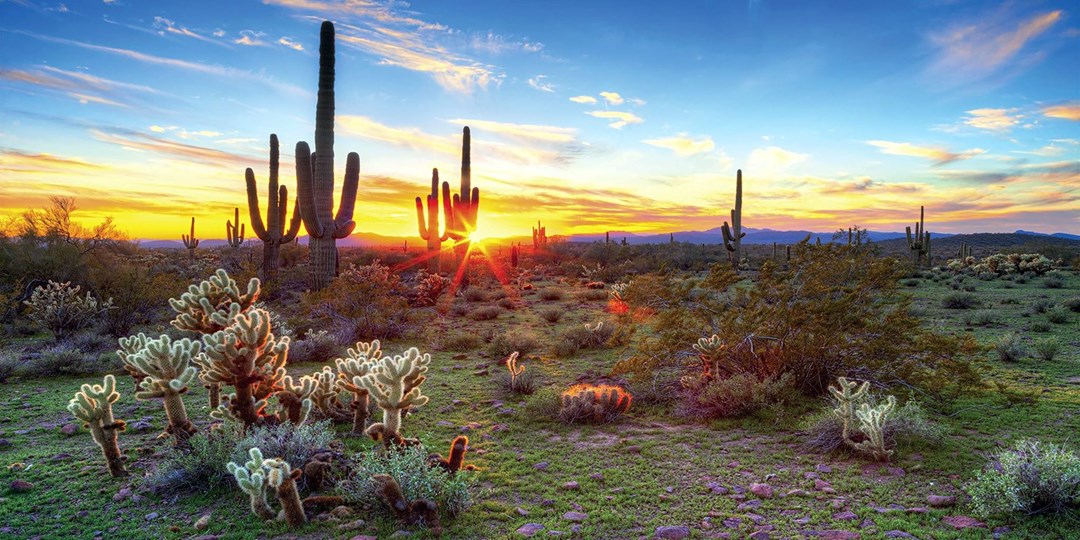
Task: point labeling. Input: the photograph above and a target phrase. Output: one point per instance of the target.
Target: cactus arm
(305, 189)
(344, 223)
(254, 214)
(294, 223)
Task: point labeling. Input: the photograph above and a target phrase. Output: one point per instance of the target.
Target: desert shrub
(1041, 305)
(593, 404)
(551, 315)
(544, 404)
(290, 442)
(90, 342)
(593, 295)
(907, 425)
(1046, 348)
(475, 294)
(910, 282)
(1073, 304)
(1020, 279)
(460, 310)
(502, 344)
(499, 294)
(10, 364)
(736, 396)
(63, 358)
(428, 288)
(1031, 477)
(200, 466)
(551, 294)
(982, 318)
(1053, 280)
(317, 346)
(1010, 348)
(461, 341)
(585, 336)
(1057, 314)
(522, 381)
(418, 480)
(363, 303)
(563, 348)
(506, 303)
(1040, 326)
(960, 300)
(59, 308)
(485, 313)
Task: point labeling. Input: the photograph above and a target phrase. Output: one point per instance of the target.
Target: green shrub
(418, 480)
(10, 364)
(551, 315)
(1073, 304)
(485, 313)
(982, 318)
(461, 341)
(59, 308)
(287, 441)
(1053, 280)
(907, 425)
(961, 300)
(1047, 348)
(1041, 305)
(736, 396)
(460, 310)
(64, 358)
(584, 336)
(1057, 314)
(544, 404)
(1010, 348)
(522, 341)
(523, 384)
(317, 346)
(474, 294)
(1040, 326)
(1031, 477)
(593, 295)
(199, 467)
(911, 282)
(506, 303)
(363, 303)
(551, 294)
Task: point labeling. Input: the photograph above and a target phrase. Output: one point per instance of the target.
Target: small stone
(845, 516)
(363, 537)
(542, 466)
(341, 511)
(202, 523)
(530, 529)
(823, 468)
(801, 521)
(672, 532)
(759, 535)
(152, 516)
(941, 501)
(900, 534)
(61, 456)
(471, 426)
(352, 525)
(918, 510)
(444, 423)
(834, 534)
(599, 477)
(822, 485)
(401, 534)
(669, 489)
(571, 486)
(138, 425)
(69, 429)
(796, 493)
(633, 449)
(124, 493)
(765, 491)
(963, 522)
(749, 505)
(732, 523)
(1001, 531)
(521, 511)
(4, 443)
(574, 529)
(21, 486)
(733, 465)
(575, 517)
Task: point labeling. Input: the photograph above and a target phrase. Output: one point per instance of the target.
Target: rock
(401, 534)
(202, 523)
(732, 523)
(542, 466)
(834, 534)
(21, 486)
(1001, 531)
(672, 532)
(823, 468)
(61, 456)
(748, 505)
(963, 522)
(941, 501)
(599, 477)
(733, 465)
(575, 517)
(918, 510)
(900, 534)
(444, 423)
(69, 429)
(572, 486)
(138, 425)
(4, 443)
(352, 525)
(796, 493)
(528, 529)
(574, 529)
(765, 491)
(521, 511)
(822, 485)
(341, 511)
(124, 493)
(152, 516)
(845, 516)
(207, 537)
(759, 535)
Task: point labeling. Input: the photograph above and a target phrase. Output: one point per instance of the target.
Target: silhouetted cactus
(733, 234)
(93, 405)
(429, 227)
(273, 233)
(964, 252)
(539, 236)
(190, 242)
(465, 205)
(315, 176)
(234, 234)
(919, 244)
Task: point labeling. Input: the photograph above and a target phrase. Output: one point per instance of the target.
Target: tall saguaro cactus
(273, 233)
(464, 205)
(315, 176)
(539, 236)
(234, 234)
(429, 228)
(190, 242)
(733, 234)
(919, 244)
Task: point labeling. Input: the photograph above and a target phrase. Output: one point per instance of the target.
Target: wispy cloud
(683, 144)
(772, 160)
(588, 100)
(1068, 111)
(613, 98)
(524, 132)
(619, 119)
(936, 154)
(411, 137)
(164, 26)
(250, 38)
(17, 161)
(135, 140)
(972, 51)
(83, 87)
(538, 83)
(288, 42)
(998, 120)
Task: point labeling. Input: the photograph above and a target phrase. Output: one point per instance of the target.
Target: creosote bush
(1057, 314)
(961, 300)
(1047, 348)
(363, 303)
(485, 313)
(417, 478)
(317, 346)
(1010, 348)
(551, 294)
(551, 315)
(522, 341)
(1031, 477)
(737, 395)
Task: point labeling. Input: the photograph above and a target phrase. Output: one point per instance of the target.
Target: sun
(477, 236)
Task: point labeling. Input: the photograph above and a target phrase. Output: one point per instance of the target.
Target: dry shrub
(363, 303)
(737, 395)
(485, 313)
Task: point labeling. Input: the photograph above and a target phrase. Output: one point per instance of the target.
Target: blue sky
(589, 115)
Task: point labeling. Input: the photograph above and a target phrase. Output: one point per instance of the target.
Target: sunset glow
(590, 116)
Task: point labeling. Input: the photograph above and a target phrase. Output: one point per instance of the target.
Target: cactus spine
(464, 205)
(190, 242)
(919, 244)
(356, 365)
(234, 234)
(167, 374)
(733, 234)
(315, 176)
(429, 228)
(93, 405)
(273, 233)
(539, 236)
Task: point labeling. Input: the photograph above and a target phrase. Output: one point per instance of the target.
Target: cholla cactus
(252, 478)
(514, 369)
(593, 404)
(93, 405)
(166, 373)
(872, 425)
(247, 356)
(848, 396)
(710, 351)
(325, 398)
(59, 308)
(395, 382)
(282, 477)
(357, 364)
(295, 399)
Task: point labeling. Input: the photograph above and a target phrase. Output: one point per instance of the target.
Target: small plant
(1040, 306)
(93, 405)
(1010, 348)
(549, 294)
(982, 318)
(485, 313)
(506, 303)
(318, 346)
(1047, 348)
(474, 294)
(593, 404)
(960, 300)
(869, 437)
(1031, 477)
(251, 476)
(1040, 326)
(412, 470)
(1073, 304)
(165, 371)
(1053, 280)
(428, 289)
(551, 315)
(503, 344)
(593, 295)
(516, 380)
(1057, 314)
(461, 341)
(59, 308)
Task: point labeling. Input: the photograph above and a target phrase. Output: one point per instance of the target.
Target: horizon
(629, 119)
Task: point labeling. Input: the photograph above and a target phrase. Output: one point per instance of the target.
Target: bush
(10, 364)
(982, 318)
(593, 404)
(551, 294)
(1031, 477)
(460, 310)
(593, 295)
(524, 383)
(474, 294)
(290, 442)
(485, 313)
(428, 289)
(1041, 305)
(1047, 348)
(551, 315)
(58, 308)
(585, 336)
(506, 303)
(1053, 280)
(64, 358)
(317, 346)
(1010, 348)
(907, 425)
(736, 396)
(960, 301)
(363, 303)
(1073, 304)
(461, 341)
(544, 404)
(515, 340)
(1040, 326)
(1057, 314)
(198, 468)
(418, 480)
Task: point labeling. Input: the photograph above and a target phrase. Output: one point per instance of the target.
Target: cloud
(618, 119)
(83, 87)
(637, 102)
(999, 120)
(290, 44)
(250, 38)
(415, 138)
(589, 100)
(1068, 111)
(164, 26)
(538, 83)
(526, 132)
(772, 160)
(17, 161)
(216, 70)
(1050, 150)
(936, 154)
(496, 44)
(973, 51)
(135, 140)
(613, 98)
(683, 144)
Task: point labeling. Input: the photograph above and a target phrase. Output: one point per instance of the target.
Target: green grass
(666, 480)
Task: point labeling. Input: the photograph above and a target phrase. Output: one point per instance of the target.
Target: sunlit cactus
(252, 479)
(58, 307)
(272, 232)
(295, 400)
(190, 242)
(593, 403)
(234, 230)
(315, 176)
(872, 425)
(515, 369)
(167, 374)
(93, 405)
(326, 397)
(733, 234)
(282, 477)
(429, 226)
(394, 382)
(357, 364)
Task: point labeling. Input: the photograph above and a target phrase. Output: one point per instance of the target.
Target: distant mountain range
(711, 236)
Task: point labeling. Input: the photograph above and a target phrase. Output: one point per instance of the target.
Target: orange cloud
(1000, 120)
(1067, 111)
(936, 154)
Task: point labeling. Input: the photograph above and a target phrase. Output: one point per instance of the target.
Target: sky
(589, 116)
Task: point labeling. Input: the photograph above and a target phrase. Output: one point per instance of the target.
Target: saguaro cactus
(539, 236)
(273, 234)
(429, 228)
(919, 244)
(93, 405)
(465, 205)
(167, 374)
(395, 382)
(733, 234)
(964, 251)
(234, 234)
(190, 242)
(315, 176)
